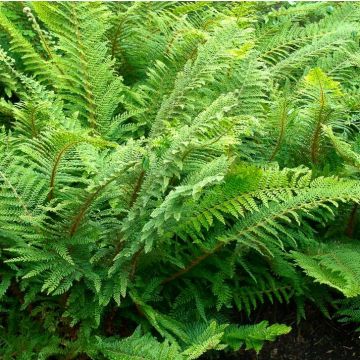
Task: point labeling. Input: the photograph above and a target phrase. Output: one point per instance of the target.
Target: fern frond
(265, 226)
(320, 105)
(253, 336)
(32, 60)
(137, 347)
(333, 265)
(349, 310)
(88, 83)
(343, 148)
(212, 59)
(248, 298)
(209, 338)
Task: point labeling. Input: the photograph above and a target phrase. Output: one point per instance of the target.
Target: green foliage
(254, 335)
(336, 266)
(137, 347)
(349, 310)
(163, 165)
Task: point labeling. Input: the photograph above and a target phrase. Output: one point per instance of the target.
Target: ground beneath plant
(315, 338)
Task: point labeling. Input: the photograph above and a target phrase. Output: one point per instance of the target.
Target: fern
(137, 347)
(163, 165)
(343, 148)
(333, 265)
(253, 336)
(349, 310)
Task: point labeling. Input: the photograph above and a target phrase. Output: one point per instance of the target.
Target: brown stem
(281, 135)
(20, 200)
(206, 254)
(316, 137)
(118, 247)
(89, 200)
(134, 262)
(85, 66)
(109, 321)
(114, 42)
(192, 264)
(352, 220)
(315, 141)
(138, 183)
(56, 165)
(85, 207)
(139, 310)
(47, 49)
(63, 299)
(17, 293)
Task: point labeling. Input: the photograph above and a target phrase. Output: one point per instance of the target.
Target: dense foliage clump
(165, 166)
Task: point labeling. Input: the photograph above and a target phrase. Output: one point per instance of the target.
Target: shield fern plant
(166, 165)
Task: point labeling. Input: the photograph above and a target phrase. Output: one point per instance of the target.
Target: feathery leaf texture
(163, 164)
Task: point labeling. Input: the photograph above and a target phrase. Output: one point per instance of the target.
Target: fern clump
(163, 165)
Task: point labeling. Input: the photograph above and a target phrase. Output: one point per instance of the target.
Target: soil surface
(315, 338)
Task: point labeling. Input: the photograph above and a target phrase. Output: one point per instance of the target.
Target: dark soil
(315, 338)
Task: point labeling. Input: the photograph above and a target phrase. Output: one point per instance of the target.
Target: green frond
(320, 102)
(294, 47)
(343, 148)
(86, 82)
(209, 338)
(266, 226)
(137, 347)
(253, 336)
(33, 61)
(333, 265)
(248, 298)
(212, 59)
(349, 310)
(241, 193)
